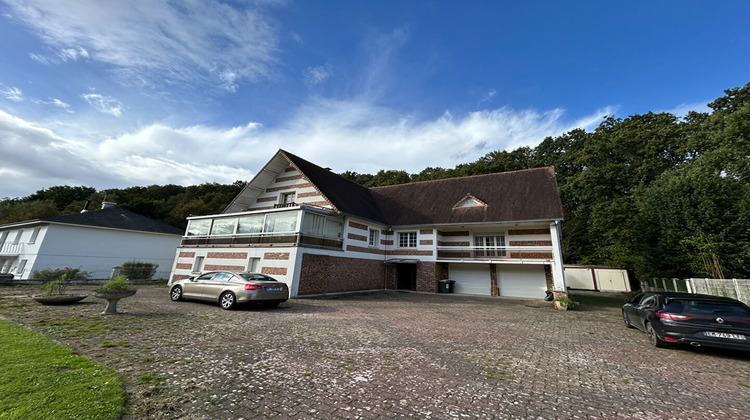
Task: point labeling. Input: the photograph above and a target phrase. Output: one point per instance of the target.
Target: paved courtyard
(389, 355)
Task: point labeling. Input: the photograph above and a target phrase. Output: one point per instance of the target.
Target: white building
(95, 241)
(496, 234)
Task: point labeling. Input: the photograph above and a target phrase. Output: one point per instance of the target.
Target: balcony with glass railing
(489, 254)
(298, 226)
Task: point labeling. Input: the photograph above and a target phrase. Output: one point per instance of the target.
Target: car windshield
(256, 277)
(698, 307)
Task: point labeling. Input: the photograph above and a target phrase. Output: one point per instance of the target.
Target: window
(34, 235)
(21, 267)
(407, 239)
(333, 228)
(490, 245)
(199, 227)
(250, 224)
(313, 224)
(253, 264)
(18, 237)
(287, 198)
(374, 239)
(198, 265)
(281, 222)
(223, 226)
(3, 238)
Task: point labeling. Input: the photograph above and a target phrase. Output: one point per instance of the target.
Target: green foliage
(137, 270)
(41, 379)
(58, 279)
(116, 285)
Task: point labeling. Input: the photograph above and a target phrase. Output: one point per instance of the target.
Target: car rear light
(253, 287)
(673, 317)
(286, 287)
(669, 339)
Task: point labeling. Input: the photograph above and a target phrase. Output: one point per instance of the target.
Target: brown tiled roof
(346, 196)
(529, 194)
(508, 196)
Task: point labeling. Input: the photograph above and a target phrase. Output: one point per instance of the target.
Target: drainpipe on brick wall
(385, 270)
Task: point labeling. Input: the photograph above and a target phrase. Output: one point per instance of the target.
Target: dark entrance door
(406, 276)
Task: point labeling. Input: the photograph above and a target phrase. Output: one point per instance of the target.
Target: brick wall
(327, 274)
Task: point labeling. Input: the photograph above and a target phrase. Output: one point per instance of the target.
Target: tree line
(653, 193)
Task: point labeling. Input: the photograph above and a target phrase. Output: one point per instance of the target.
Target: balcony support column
(558, 275)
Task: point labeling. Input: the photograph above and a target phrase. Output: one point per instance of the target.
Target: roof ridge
(548, 168)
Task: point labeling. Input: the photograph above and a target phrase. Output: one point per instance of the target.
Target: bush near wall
(137, 270)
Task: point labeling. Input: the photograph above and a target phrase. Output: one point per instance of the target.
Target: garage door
(471, 279)
(521, 280)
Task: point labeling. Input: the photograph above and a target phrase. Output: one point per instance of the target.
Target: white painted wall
(98, 250)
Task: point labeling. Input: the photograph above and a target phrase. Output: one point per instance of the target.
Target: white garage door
(521, 280)
(471, 279)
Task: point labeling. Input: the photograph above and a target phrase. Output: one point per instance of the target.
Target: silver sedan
(229, 288)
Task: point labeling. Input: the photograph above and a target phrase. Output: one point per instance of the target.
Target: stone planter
(58, 299)
(112, 299)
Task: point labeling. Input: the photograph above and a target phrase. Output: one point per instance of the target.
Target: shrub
(116, 285)
(137, 270)
(59, 278)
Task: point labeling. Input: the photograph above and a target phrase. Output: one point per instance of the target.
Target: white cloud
(683, 109)
(103, 103)
(59, 103)
(73, 53)
(12, 93)
(318, 74)
(192, 42)
(343, 135)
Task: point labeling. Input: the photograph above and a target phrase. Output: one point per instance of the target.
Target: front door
(406, 276)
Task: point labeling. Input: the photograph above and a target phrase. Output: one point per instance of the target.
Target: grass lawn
(40, 379)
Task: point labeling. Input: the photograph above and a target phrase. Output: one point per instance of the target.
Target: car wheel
(227, 300)
(176, 293)
(625, 319)
(653, 338)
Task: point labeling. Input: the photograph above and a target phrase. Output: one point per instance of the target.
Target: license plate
(273, 289)
(724, 335)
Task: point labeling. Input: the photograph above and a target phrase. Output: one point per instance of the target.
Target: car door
(194, 288)
(213, 287)
(642, 310)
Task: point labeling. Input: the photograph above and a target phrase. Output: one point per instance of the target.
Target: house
(96, 241)
(494, 235)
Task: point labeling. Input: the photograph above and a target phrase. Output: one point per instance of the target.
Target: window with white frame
(21, 267)
(17, 240)
(34, 235)
(199, 227)
(374, 239)
(287, 198)
(198, 264)
(492, 245)
(253, 264)
(407, 239)
(223, 226)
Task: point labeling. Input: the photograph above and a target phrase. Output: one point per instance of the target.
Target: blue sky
(116, 94)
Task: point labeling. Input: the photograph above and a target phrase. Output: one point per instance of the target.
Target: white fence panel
(734, 288)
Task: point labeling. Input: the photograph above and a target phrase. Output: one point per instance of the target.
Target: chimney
(107, 204)
(86, 206)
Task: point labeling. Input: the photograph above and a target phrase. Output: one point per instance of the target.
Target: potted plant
(112, 291)
(57, 281)
(564, 303)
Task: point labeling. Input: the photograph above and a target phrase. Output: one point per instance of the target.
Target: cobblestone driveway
(390, 355)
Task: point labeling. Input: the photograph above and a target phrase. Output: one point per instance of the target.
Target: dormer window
(469, 201)
(286, 199)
